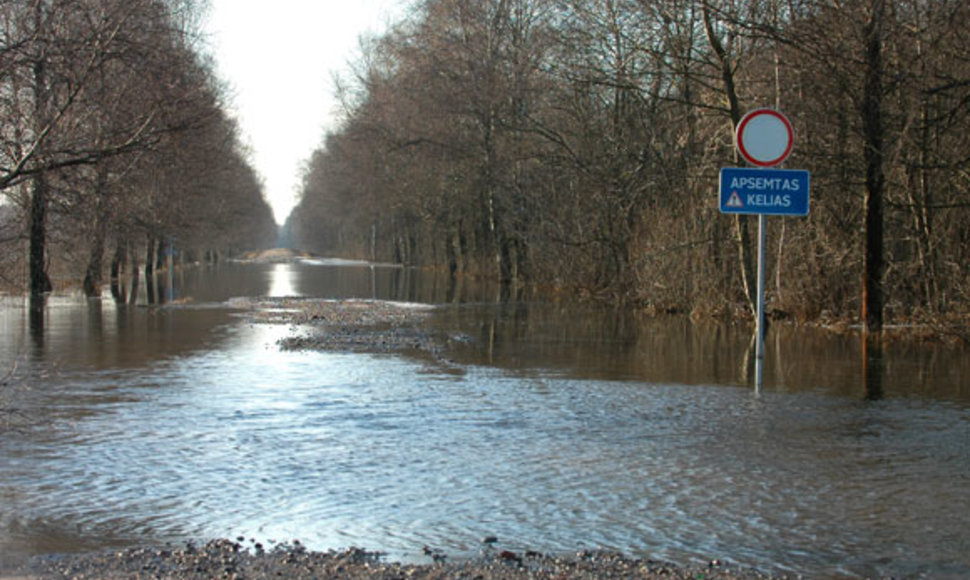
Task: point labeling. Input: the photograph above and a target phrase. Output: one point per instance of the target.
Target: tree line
(576, 144)
(115, 144)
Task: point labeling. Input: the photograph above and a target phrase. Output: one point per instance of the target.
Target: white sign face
(765, 137)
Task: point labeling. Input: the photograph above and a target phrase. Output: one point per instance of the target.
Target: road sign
(765, 137)
(764, 191)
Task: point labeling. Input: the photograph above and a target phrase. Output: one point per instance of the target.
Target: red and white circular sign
(765, 137)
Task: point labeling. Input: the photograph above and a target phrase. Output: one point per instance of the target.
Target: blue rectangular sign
(764, 191)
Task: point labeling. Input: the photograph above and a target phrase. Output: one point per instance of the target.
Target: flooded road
(553, 427)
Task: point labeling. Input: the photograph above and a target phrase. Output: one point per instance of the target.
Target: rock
(229, 559)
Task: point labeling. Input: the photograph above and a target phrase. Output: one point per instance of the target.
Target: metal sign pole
(760, 344)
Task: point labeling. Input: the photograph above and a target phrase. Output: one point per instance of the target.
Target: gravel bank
(231, 560)
(372, 326)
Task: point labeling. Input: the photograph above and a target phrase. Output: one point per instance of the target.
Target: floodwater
(553, 427)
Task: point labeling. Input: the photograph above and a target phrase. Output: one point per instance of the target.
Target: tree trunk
(40, 283)
(742, 232)
(93, 276)
(510, 262)
(150, 270)
(373, 242)
(117, 268)
(133, 295)
(150, 258)
(456, 259)
(741, 222)
(492, 245)
(873, 299)
(161, 251)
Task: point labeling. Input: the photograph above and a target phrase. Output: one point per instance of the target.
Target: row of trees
(115, 142)
(577, 143)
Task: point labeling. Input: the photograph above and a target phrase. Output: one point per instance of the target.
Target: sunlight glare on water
(282, 281)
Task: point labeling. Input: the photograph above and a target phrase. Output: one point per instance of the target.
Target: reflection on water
(281, 281)
(554, 427)
(872, 368)
(615, 344)
(325, 278)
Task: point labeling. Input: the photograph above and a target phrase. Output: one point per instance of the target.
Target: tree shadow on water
(872, 367)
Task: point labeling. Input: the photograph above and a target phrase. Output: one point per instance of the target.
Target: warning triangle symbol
(734, 200)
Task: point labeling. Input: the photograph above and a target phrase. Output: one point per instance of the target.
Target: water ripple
(358, 449)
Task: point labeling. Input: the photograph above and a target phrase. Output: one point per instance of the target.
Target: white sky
(279, 58)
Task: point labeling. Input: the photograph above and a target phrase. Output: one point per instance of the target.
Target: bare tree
(94, 93)
(577, 144)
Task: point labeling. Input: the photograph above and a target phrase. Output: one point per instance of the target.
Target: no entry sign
(765, 137)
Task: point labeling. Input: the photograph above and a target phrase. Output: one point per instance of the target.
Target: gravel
(371, 326)
(231, 560)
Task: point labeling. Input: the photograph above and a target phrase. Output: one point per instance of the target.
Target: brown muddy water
(552, 427)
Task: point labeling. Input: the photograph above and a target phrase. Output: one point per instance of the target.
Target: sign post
(765, 139)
